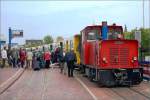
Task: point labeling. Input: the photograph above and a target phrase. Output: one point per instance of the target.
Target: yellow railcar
(68, 45)
(76, 41)
(73, 43)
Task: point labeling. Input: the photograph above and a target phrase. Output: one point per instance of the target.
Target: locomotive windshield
(113, 34)
(92, 35)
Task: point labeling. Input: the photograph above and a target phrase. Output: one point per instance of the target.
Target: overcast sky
(66, 18)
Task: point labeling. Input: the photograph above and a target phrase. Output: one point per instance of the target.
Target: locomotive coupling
(120, 75)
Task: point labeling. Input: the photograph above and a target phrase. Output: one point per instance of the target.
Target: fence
(146, 69)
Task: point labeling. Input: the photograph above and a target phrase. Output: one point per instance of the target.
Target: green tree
(48, 39)
(129, 35)
(145, 37)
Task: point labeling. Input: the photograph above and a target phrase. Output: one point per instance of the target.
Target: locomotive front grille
(119, 56)
(113, 56)
(124, 56)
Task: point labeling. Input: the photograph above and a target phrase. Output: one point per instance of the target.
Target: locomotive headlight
(104, 60)
(134, 59)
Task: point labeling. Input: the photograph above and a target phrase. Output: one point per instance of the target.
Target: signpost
(10, 35)
(13, 34)
(17, 33)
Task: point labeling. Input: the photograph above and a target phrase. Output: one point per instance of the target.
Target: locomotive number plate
(119, 42)
(135, 70)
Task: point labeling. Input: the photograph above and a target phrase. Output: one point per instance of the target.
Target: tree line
(145, 36)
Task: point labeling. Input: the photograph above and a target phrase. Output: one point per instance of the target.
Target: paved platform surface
(50, 84)
(45, 85)
(6, 73)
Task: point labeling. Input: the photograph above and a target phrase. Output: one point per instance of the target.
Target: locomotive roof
(100, 26)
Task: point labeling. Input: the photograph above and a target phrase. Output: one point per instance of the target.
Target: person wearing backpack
(70, 58)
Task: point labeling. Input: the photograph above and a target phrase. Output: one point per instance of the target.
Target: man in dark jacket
(70, 58)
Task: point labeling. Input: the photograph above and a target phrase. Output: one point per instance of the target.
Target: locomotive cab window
(92, 35)
(113, 34)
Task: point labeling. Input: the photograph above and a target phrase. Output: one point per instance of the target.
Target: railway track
(148, 97)
(116, 92)
(138, 92)
(130, 94)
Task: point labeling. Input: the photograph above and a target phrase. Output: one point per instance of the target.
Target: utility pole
(143, 16)
(149, 13)
(10, 37)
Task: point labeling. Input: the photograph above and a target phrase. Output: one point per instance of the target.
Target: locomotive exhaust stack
(104, 30)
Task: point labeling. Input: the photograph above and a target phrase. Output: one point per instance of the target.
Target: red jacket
(22, 55)
(47, 55)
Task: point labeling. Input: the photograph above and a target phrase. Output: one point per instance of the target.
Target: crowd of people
(37, 59)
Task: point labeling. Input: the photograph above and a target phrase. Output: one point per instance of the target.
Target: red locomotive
(109, 58)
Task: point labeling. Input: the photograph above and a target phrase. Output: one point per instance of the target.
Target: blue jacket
(70, 56)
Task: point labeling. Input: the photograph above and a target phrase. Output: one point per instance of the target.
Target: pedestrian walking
(60, 58)
(9, 56)
(35, 60)
(4, 57)
(47, 58)
(40, 59)
(18, 60)
(22, 55)
(29, 58)
(64, 65)
(56, 55)
(65, 68)
(52, 57)
(70, 58)
(14, 57)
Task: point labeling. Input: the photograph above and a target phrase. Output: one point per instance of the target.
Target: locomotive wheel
(91, 75)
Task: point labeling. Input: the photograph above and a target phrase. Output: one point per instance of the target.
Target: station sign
(17, 33)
